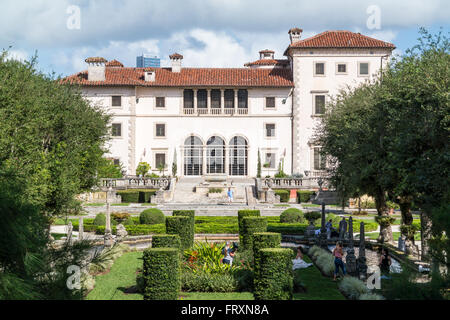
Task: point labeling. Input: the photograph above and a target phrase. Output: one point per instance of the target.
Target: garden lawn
(216, 296)
(317, 286)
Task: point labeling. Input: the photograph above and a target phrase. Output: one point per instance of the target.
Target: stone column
(195, 101)
(80, 228)
(227, 158)
(204, 152)
(108, 238)
(208, 101)
(235, 100)
(69, 232)
(351, 258)
(222, 100)
(362, 266)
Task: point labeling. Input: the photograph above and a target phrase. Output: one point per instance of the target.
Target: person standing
(230, 195)
(338, 253)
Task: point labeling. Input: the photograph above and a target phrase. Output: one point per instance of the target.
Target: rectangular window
(319, 69)
(116, 130)
(270, 102)
(116, 162)
(229, 98)
(270, 159)
(242, 98)
(160, 159)
(116, 101)
(270, 129)
(363, 68)
(319, 161)
(319, 104)
(188, 98)
(160, 102)
(342, 68)
(202, 96)
(160, 130)
(215, 98)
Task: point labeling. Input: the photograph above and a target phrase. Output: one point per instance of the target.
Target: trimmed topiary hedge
(262, 240)
(284, 195)
(241, 215)
(136, 196)
(151, 216)
(292, 215)
(304, 196)
(181, 225)
(166, 241)
(274, 279)
(186, 213)
(250, 226)
(161, 273)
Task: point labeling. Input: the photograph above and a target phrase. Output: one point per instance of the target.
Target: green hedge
(136, 196)
(151, 216)
(284, 195)
(262, 240)
(166, 241)
(250, 226)
(187, 213)
(241, 215)
(208, 282)
(304, 196)
(292, 215)
(181, 225)
(161, 273)
(274, 279)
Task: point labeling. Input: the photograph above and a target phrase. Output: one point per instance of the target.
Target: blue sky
(214, 33)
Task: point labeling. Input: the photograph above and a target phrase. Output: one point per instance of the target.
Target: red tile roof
(267, 62)
(114, 63)
(232, 77)
(341, 39)
(176, 56)
(96, 60)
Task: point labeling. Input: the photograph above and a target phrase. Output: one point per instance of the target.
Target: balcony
(214, 111)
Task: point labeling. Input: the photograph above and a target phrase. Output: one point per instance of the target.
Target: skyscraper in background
(146, 61)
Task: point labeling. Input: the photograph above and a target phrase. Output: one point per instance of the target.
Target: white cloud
(20, 55)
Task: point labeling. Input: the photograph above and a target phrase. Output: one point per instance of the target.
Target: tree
(143, 168)
(107, 169)
(258, 174)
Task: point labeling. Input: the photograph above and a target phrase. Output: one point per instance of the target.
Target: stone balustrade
(126, 183)
(282, 183)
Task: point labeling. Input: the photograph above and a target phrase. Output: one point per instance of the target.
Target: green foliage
(304, 196)
(250, 226)
(323, 259)
(312, 215)
(334, 218)
(274, 279)
(181, 225)
(191, 215)
(206, 257)
(353, 288)
(384, 221)
(258, 170)
(409, 230)
(284, 195)
(215, 190)
(241, 215)
(208, 282)
(166, 241)
(142, 169)
(107, 169)
(262, 240)
(100, 219)
(120, 217)
(128, 222)
(136, 196)
(151, 216)
(292, 215)
(161, 272)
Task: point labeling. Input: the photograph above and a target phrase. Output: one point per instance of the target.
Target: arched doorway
(215, 155)
(193, 156)
(238, 165)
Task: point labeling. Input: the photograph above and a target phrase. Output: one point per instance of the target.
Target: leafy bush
(206, 257)
(99, 220)
(392, 205)
(181, 225)
(384, 221)
(262, 240)
(250, 226)
(215, 190)
(304, 196)
(151, 216)
(312, 215)
(323, 259)
(136, 196)
(129, 222)
(409, 230)
(166, 241)
(334, 218)
(105, 259)
(208, 282)
(120, 216)
(241, 215)
(191, 215)
(292, 215)
(353, 288)
(274, 279)
(161, 274)
(284, 195)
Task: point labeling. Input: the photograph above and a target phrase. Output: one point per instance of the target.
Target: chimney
(150, 76)
(266, 54)
(96, 68)
(295, 34)
(176, 60)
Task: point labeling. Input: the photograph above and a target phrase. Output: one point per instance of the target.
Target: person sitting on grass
(298, 262)
(338, 254)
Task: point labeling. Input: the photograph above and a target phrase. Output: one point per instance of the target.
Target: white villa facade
(215, 120)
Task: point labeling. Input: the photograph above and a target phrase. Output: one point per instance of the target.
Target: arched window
(215, 155)
(193, 156)
(238, 165)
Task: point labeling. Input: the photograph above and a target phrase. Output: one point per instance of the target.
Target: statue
(342, 228)
(121, 232)
(351, 258)
(362, 266)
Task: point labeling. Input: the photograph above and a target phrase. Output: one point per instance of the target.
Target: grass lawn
(317, 286)
(216, 296)
(281, 205)
(395, 235)
(120, 204)
(98, 204)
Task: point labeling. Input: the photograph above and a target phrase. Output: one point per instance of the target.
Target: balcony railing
(215, 111)
(228, 111)
(242, 111)
(188, 111)
(202, 111)
(154, 183)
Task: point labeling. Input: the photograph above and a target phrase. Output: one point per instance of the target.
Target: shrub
(360, 213)
(208, 282)
(353, 288)
(166, 241)
(274, 279)
(284, 195)
(128, 222)
(161, 274)
(312, 215)
(250, 226)
(304, 196)
(262, 240)
(136, 196)
(151, 216)
(334, 218)
(371, 296)
(292, 215)
(323, 259)
(191, 215)
(384, 220)
(100, 219)
(241, 215)
(181, 225)
(120, 216)
(215, 190)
